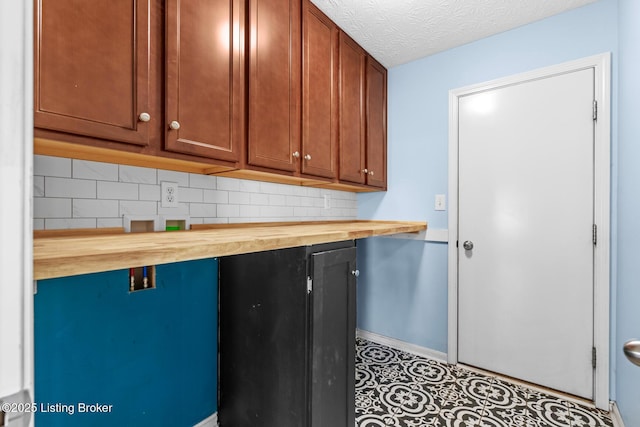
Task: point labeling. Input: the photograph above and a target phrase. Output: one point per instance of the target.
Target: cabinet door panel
(319, 93)
(274, 83)
(92, 68)
(376, 124)
(204, 77)
(352, 110)
(333, 338)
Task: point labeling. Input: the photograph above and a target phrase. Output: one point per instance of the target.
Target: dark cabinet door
(92, 68)
(376, 124)
(352, 111)
(333, 332)
(274, 84)
(319, 93)
(263, 332)
(204, 78)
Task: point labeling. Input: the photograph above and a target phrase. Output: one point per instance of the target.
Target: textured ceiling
(399, 31)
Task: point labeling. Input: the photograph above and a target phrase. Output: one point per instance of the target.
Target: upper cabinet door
(319, 93)
(92, 68)
(274, 84)
(376, 124)
(204, 78)
(352, 111)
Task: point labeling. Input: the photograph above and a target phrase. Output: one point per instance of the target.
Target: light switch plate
(441, 202)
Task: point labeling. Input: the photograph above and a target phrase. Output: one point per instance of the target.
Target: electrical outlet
(440, 204)
(169, 194)
(327, 201)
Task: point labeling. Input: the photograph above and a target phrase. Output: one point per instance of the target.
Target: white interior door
(526, 202)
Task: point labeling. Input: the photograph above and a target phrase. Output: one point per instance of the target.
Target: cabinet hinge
(595, 234)
(593, 357)
(309, 284)
(595, 110)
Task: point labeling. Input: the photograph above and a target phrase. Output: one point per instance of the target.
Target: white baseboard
(615, 415)
(403, 345)
(210, 421)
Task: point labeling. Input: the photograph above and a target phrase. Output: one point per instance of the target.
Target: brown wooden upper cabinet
(363, 116)
(376, 98)
(92, 65)
(274, 84)
(319, 153)
(99, 74)
(204, 78)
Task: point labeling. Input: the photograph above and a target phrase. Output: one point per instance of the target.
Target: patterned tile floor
(398, 389)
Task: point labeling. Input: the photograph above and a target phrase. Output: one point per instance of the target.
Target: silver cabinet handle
(144, 117)
(174, 125)
(307, 156)
(296, 154)
(632, 351)
(468, 245)
(355, 272)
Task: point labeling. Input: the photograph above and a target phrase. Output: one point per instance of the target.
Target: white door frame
(602, 65)
(16, 165)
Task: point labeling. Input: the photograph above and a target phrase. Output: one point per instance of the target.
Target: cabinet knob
(174, 125)
(144, 117)
(307, 156)
(355, 272)
(371, 173)
(296, 154)
(365, 171)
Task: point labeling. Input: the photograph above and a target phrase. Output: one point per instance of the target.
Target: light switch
(441, 202)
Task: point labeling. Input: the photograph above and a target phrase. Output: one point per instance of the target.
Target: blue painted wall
(151, 354)
(413, 288)
(628, 210)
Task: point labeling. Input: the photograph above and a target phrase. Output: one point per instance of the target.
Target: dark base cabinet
(287, 337)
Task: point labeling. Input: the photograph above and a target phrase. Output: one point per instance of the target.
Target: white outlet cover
(440, 202)
(169, 194)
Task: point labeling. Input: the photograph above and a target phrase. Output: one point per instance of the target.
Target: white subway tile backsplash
(230, 184)
(38, 186)
(134, 207)
(259, 199)
(99, 194)
(117, 190)
(87, 208)
(190, 195)
(137, 174)
(202, 210)
(228, 211)
(182, 178)
(182, 209)
(202, 181)
(46, 207)
(238, 198)
(149, 192)
(68, 187)
(110, 222)
(85, 169)
(51, 166)
(216, 196)
(57, 223)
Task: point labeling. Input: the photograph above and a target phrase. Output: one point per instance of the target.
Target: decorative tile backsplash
(71, 193)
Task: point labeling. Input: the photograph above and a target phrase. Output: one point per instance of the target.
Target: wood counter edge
(73, 255)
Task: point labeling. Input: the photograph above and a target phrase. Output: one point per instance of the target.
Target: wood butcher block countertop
(61, 256)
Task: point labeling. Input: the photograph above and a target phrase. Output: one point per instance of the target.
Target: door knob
(468, 245)
(144, 117)
(307, 156)
(174, 125)
(632, 351)
(296, 154)
(355, 272)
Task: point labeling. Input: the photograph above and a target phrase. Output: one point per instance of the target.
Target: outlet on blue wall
(151, 355)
